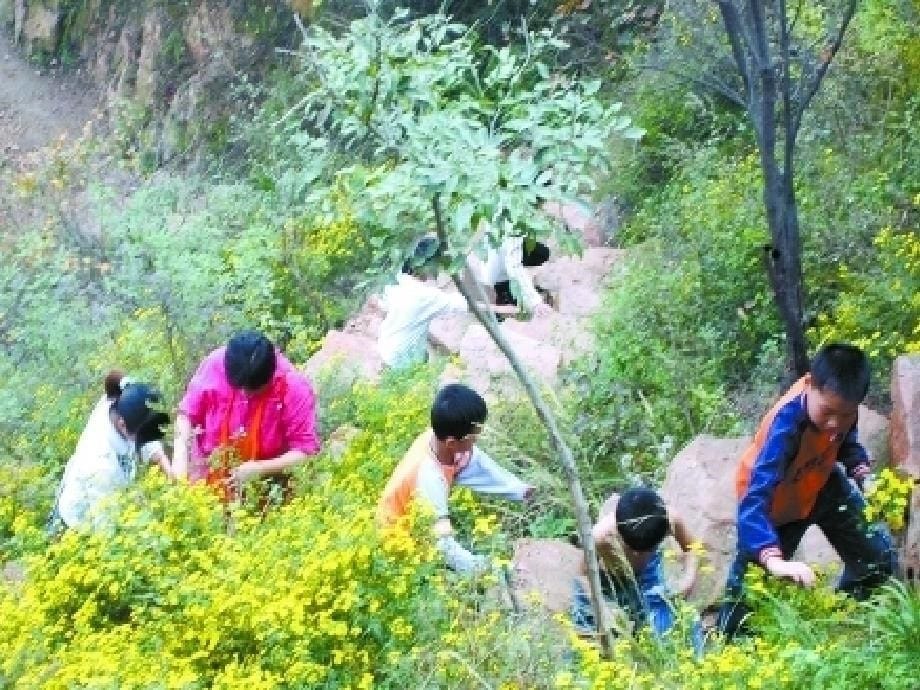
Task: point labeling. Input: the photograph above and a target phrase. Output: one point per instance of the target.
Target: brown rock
(39, 28)
(577, 218)
(478, 351)
(544, 570)
(570, 334)
(910, 555)
(151, 44)
(446, 332)
(575, 282)
(873, 434)
(905, 414)
(348, 355)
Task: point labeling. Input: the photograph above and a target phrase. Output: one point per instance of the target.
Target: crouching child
(806, 467)
(628, 538)
(444, 456)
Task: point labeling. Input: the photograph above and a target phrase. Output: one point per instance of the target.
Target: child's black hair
(642, 518)
(457, 411)
(249, 360)
(425, 251)
(842, 369)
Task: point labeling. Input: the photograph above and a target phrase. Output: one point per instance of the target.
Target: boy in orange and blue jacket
(797, 473)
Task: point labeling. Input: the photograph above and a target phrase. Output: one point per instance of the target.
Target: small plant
(887, 499)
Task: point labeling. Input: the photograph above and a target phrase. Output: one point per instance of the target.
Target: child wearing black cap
(123, 428)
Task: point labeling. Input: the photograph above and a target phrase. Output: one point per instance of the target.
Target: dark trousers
(536, 255)
(866, 550)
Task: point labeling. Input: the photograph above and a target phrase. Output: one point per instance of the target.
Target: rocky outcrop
(165, 70)
(905, 414)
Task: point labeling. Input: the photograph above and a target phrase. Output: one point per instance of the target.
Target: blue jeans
(867, 551)
(646, 602)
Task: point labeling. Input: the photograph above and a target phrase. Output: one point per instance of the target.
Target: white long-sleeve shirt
(506, 263)
(411, 305)
(103, 462)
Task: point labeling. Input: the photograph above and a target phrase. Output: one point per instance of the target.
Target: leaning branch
(583, 518)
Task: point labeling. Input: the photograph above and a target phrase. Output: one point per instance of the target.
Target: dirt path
(37, 106)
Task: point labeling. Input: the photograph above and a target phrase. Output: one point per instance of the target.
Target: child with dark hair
(795, 474)
(123, 431)
(441, 457)
(411, 304)
(628, 537)
(248, 400)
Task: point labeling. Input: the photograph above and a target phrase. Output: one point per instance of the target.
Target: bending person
(122, 430)
(247, 414)
(440, 457)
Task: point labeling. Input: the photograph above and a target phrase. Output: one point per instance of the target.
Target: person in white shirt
(507, 264)
(411, 304)
(122, 429)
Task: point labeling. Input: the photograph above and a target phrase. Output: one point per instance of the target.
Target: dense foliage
(351, 139)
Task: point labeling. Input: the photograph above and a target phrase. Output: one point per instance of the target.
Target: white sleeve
(459, 559)
(485, 476)
(149, 451)
(512, 251)
(431, 487)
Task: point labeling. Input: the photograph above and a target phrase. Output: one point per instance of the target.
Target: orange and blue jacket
(784, 469)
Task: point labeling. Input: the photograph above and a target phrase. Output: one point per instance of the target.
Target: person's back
(106, 455)
(628, 537)
(411, 305)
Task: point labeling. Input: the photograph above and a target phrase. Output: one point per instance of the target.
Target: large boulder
(446, 332)
(905, 414)
(910, 555)
(569, 333)
(700, 487)
(873, 434)
(544, 571)
(579, 219)
(480, 354)
(575, 282)
(349, 355)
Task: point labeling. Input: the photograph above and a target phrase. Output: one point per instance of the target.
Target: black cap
(133, 406)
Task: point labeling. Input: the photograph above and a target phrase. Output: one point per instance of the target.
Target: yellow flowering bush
(888, 497)
(879, 309)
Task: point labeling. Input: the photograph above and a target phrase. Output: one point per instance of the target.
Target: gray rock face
(905, 414)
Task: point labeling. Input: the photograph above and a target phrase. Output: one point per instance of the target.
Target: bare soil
(37, 106)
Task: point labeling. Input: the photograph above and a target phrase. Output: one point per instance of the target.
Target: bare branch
(734, 30)
(823, 63)
(707, 82)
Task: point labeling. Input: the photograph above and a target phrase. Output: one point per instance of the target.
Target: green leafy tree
(770, 59)
(457, 136)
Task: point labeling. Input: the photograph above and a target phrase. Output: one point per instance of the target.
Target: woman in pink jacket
(247, 414)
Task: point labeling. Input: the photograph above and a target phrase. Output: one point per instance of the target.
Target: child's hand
(798, 572)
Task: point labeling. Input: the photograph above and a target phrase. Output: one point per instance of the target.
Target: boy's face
(460, 450)
(828, 411)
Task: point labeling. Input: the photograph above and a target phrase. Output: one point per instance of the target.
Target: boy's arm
(853, 456)
(485, 476)
(432, 488)
(757, 537)
(686, 541)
